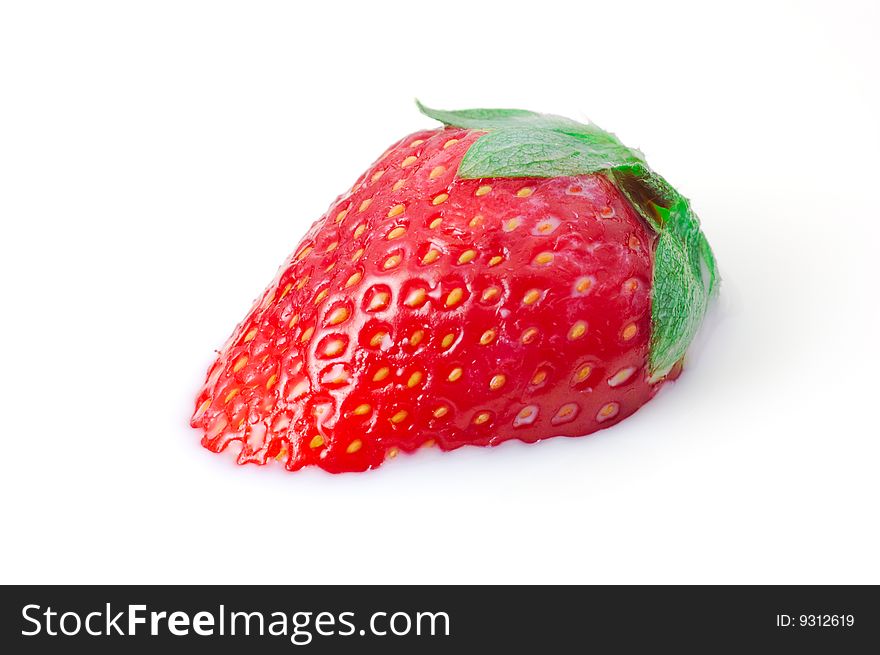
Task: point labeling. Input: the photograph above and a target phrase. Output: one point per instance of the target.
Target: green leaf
(493, 119)
(476, 119)
(536, 152)
(522, 143)
(685, 273)
(684, 279)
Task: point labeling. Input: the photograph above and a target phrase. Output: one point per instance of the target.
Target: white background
(159, 160)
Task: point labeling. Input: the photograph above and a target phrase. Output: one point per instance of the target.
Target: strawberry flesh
(424, 309)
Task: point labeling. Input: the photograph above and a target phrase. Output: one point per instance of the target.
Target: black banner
(418, 619)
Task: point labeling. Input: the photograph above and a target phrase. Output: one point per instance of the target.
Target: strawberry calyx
(685, 273)
(519, 143)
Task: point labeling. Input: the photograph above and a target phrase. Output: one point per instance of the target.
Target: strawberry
(510, 275)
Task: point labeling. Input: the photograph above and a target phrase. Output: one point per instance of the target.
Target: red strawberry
(478, 283)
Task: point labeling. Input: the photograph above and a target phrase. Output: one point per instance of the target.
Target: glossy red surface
(422, 309)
